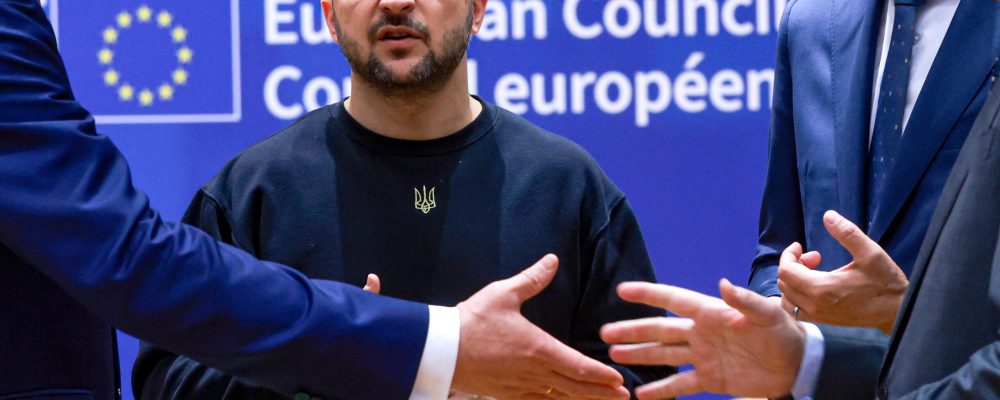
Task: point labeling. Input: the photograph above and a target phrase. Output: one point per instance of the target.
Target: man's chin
(401, 69)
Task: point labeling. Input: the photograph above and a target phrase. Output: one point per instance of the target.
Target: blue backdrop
(670, 96)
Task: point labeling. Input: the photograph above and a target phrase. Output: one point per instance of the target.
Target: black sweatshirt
(437, 220)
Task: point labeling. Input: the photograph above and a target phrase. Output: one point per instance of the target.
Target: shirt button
(883, 393)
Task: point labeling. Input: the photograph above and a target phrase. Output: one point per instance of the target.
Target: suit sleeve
(852, 359)
(619, 255)
(979, 378)
(781, 220)
(159, 374)
(64, 187)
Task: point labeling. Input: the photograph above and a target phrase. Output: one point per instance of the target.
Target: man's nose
(396, 7)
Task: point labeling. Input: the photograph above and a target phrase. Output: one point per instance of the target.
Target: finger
(373, 284)
(796, 297)
(678, 300)
(651, 354)
(682, 384)
(811, 259)
(791, 254)
(657, 329)
(849, 235)
(572, 364)
(752, 305)
(798, 275)
(565, 387)
(782, 302)
(534, 279)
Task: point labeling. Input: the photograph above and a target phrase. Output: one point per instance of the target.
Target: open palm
(743, 345)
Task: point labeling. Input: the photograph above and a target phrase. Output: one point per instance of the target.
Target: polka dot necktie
(888, 131)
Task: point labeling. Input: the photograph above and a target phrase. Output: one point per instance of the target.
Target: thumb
(848, 234)
(373, 284)
(753, 306)
(533, 280)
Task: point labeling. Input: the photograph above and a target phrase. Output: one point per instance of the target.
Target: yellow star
(105, 56)
(146, 98)
(124, 19)
(166, 92)
(125, 92)
(179, 34)
(110, 35)
(111, 77)
(180, 76)
(184, 55)
(164, 19)
(144, 13)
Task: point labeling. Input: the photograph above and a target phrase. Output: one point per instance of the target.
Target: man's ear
(331, 23)
(478, 13)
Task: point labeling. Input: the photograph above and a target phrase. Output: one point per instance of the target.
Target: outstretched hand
(866, 292)
(741, 345)
(501, 354)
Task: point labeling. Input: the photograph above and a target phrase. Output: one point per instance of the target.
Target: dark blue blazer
(80, 250)
(820, 127)
(946, 341)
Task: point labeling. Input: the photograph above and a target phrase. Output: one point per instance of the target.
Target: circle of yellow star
(105, 56)
(144, 13)
(146, 98)
(184, 55)
(166, 92)
(164, 19)
(110, 35)
(125, 92)
(124, 19)
(180, 76)
(111, 77)
(179, 33)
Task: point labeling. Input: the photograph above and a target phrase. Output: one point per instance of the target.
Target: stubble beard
(427, 77)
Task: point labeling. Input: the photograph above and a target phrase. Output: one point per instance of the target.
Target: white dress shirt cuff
(437, 364)
(812, 361)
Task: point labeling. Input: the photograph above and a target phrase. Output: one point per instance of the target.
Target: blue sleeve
(781, 220)
(159, 374)
(852, 359)
(65, 187)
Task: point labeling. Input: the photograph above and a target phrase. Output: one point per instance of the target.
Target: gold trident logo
(424, 201)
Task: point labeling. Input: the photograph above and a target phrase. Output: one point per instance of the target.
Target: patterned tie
(888, 129)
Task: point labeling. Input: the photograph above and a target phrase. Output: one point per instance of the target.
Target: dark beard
(428, 76)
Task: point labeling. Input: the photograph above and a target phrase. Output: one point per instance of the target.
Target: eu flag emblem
(134, 62)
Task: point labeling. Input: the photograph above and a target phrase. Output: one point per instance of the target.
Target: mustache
(399, 21)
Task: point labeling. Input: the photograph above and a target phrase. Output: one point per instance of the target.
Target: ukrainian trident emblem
(424, 201)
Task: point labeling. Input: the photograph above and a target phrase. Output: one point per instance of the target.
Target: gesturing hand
(501, 354)
(866, 292)
(742, 346)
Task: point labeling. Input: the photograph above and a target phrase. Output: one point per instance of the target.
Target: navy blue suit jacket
(820, 127)
(946, 342)
(80, 249)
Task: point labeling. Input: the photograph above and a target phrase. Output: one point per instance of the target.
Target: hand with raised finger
(373, 284)
(503, 355)
(866, 292)
(744, 345)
